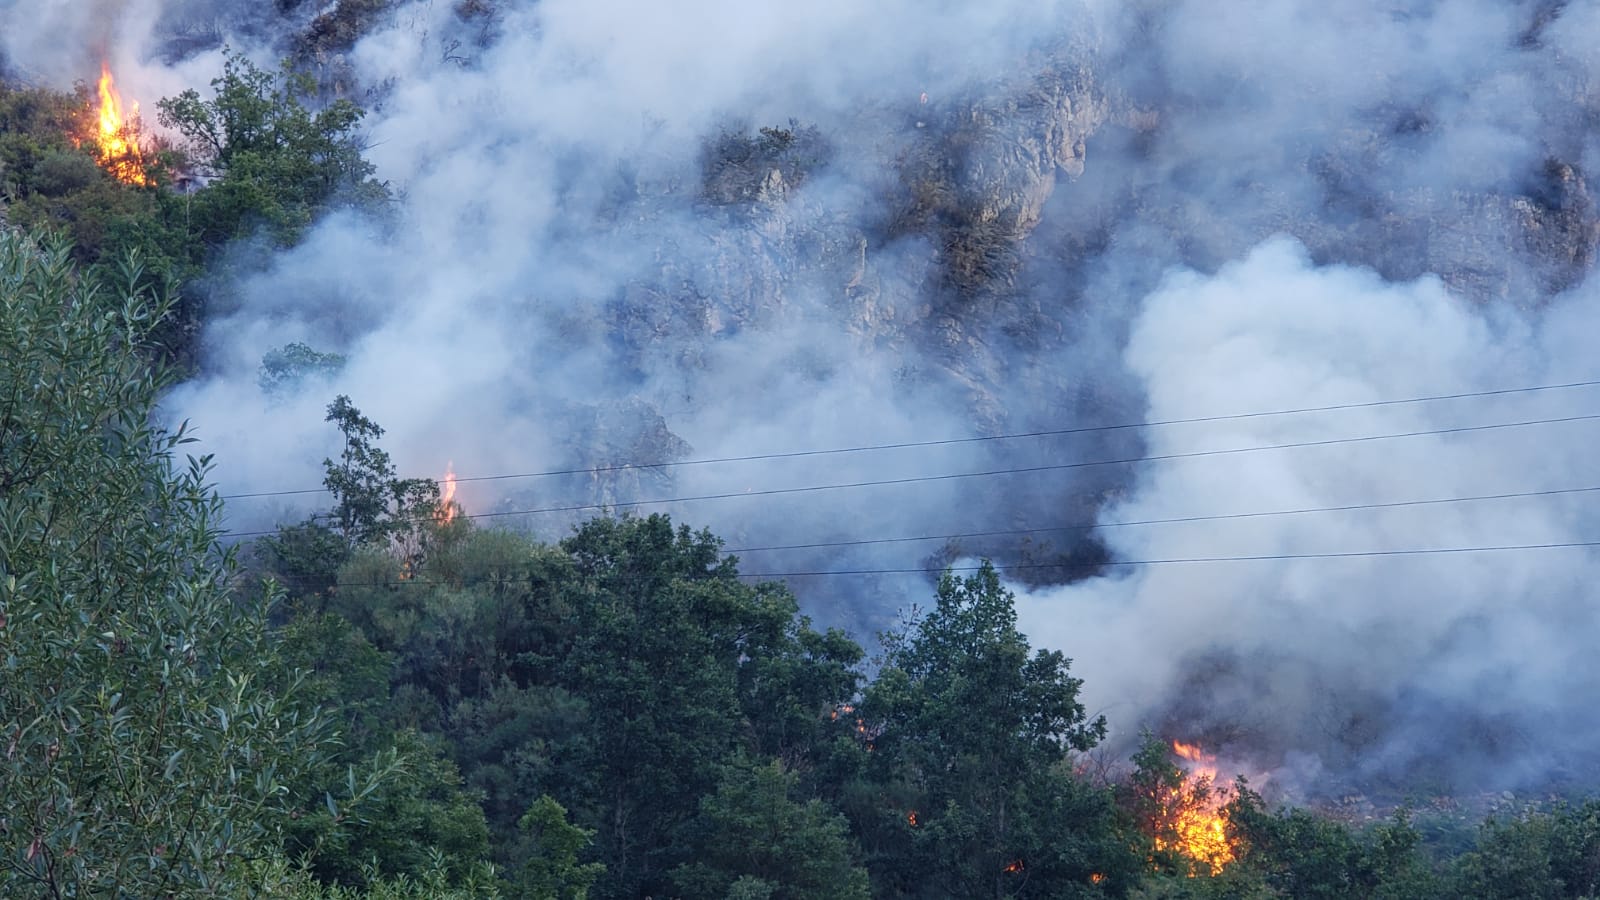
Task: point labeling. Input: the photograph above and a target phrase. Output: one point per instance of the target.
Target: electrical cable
(919, 479)
(1087, 429)
(1354, 554)
(1080, 526)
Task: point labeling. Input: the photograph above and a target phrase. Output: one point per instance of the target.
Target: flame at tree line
(117, 136)
(1193, 822)
(448, 508)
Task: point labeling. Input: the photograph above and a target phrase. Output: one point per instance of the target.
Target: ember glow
(1196, 825)
(448, 508)
(860, 723)
(117, 136)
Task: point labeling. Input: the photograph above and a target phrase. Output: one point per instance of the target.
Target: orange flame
(912, 820)
(117, 136)
(1195, 818)
(860, 722)
(448, 508)
(1016, 865)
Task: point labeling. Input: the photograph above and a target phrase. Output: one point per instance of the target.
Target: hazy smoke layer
(1010, 217)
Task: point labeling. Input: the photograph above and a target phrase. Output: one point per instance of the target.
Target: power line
(1087, 429)
(1051, 467)
(1169, 521)
(1091, 566)
(1355, 554)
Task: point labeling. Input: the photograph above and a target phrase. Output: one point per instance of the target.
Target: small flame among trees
(448, 508)
(860, 723)
(116, 136)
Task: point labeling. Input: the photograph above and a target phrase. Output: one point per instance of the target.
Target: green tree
(1554, 853)
(371, 504)
(305, 558)
(287, 367)
(751, 831)
(1302, 854)
(418, 818)
(972, 736)
(417, 821)
(280, 163)
(276, 879)
(465, 650)
(622, 671)
(145, 753)
(792, 695)
(550, 869)
(519, 742)
(672, 652)
(663, 618)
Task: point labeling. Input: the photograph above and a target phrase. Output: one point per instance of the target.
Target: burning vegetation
(116, 136)
(1198, 822)
(1181, 807)
(448, 508)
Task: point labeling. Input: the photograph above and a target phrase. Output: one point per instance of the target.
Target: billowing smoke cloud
(62, 43)
(1440, 148)
(33, 36)
(972, 229)
(576, 282)
(1382, 665)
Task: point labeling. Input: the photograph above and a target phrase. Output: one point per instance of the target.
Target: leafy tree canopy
(147, 751)
(970, 734)
(280, 163)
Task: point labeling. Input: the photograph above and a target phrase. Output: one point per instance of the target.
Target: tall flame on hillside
(1196, 823)
(448, 508)
(117, 136)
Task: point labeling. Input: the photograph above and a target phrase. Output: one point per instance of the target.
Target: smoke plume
(968, 221)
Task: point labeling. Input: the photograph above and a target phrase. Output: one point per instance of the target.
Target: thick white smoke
(1351, 658)
(62, 43)
(1442, 146)
(557, 279)
(1197, 208)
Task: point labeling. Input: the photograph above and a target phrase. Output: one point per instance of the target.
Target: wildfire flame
(448, 508)
(1196, 823)
(847, 709)
(117, 136)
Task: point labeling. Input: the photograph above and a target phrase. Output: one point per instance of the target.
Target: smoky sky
(1186, 209)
